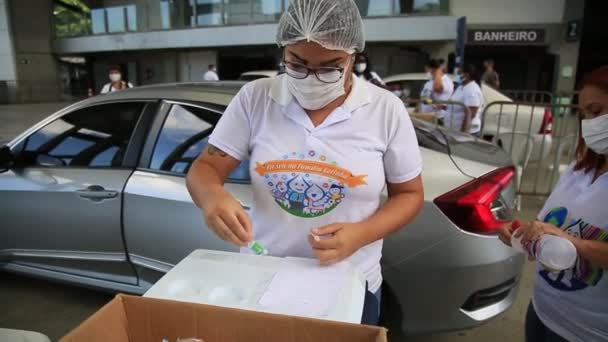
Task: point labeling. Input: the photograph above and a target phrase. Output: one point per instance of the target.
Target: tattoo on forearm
(212, 150)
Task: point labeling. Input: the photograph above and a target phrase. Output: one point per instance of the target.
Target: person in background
(363, 70)
(572, 305)
(116, 82)
(358, 137)
(211, 74)
(439, 87)
(469, 93)
(490, 76)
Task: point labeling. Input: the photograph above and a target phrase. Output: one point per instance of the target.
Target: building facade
(54, 49)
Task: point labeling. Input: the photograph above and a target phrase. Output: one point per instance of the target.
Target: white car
(257, 74)
(525, 130)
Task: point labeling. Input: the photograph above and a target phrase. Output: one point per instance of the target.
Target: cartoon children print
(307, 187)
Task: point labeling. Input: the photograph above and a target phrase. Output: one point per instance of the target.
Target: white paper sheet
(305, 289)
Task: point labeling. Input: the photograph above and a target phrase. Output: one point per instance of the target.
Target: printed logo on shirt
(584, 273)
(307, 185)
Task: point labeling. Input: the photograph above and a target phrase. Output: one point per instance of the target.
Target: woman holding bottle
(572, 305)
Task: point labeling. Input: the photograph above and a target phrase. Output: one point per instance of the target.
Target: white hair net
(333, 24)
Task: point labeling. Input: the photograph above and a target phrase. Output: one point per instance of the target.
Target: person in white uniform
(116, 82)
(211, 74)
(439, 87)
(363, 69)
(469, 93)
(572, 305)
(322, 145)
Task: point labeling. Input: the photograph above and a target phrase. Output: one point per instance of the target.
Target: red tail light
(475, 205)
(546, 127)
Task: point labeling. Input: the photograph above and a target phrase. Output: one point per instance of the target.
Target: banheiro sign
(504, 36)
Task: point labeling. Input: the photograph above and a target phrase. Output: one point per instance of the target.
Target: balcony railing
(76, 18)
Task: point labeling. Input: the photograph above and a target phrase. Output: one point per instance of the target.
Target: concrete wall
(567, 52)
(37, 68)
(420, 29)
(509, 11)
(7, 56)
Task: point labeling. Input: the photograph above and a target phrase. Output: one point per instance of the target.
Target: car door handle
(96, 193)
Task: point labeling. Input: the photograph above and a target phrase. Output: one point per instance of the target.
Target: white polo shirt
(306, 177)
(427, 93)
(471, 96)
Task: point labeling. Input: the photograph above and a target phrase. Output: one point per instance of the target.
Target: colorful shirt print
(307, 184)
(584, 273)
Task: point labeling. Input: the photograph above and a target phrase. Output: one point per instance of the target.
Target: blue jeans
(537, 331)
(371, 307)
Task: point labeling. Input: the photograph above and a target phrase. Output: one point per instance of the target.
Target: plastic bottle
(554, 252)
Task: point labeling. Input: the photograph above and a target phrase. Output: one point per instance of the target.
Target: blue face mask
(458, 79)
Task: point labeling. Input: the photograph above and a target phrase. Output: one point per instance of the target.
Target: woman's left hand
(336, 242)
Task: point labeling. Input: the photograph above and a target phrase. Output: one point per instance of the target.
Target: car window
(95, 136)
(183, 137)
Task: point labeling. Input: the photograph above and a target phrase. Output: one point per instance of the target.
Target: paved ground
(54, 309)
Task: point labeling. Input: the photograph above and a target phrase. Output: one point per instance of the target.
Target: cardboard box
(139, 319)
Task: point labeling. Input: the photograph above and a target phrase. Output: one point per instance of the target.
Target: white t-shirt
(427, 93)
(306, 177)
(471, 96)
(211, 76)
(574, 303)
(107, 88)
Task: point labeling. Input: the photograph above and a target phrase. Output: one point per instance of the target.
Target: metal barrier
(539, 149)
(540, 137)
(536, 96)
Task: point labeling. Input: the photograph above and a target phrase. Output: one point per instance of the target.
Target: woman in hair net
(322, 145)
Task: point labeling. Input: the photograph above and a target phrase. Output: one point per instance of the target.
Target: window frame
(156, 130)
(132, 150)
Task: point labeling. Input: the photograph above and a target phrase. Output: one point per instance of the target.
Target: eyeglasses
(323, 74)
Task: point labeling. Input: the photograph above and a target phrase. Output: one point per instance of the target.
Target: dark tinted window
(95, 136)
(183, 137)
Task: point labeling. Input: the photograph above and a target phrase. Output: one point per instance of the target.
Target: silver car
(95, 195)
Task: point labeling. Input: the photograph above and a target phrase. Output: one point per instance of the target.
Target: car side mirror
(6, 158)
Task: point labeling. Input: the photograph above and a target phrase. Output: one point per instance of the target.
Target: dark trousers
(371, 307)
(537, 331)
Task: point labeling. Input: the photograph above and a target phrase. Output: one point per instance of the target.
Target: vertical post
(194, 5)
(223, 12)
(125, 18)
(461, 40)
(106, 20)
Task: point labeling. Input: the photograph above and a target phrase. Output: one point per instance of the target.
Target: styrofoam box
(239, 281)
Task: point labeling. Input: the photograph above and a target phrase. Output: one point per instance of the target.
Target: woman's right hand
(226, 217)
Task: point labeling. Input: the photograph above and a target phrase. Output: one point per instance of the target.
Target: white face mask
(313, 94)
(360, 67)
(595, 133)
(115, 77)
